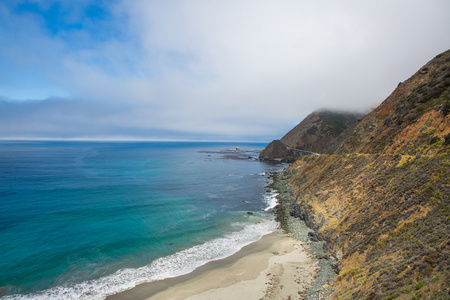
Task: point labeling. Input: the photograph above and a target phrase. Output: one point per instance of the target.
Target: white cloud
(228, 68)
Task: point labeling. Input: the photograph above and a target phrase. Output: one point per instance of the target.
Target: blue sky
(203, 70)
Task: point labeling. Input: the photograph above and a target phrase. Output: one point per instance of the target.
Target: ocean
(83, 220)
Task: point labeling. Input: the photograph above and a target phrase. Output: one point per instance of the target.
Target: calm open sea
(82, 220)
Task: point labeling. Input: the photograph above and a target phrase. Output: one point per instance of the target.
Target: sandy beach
(276, 267)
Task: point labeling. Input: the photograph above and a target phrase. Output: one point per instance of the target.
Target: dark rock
(335, 266)
(314, 237)
(304, 212)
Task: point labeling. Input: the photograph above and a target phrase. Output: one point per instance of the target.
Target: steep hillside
(408, 120)
(277, 151)
(319, 129)
(380, 198)
(317, 133)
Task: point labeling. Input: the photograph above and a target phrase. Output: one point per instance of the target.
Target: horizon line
(124, 140)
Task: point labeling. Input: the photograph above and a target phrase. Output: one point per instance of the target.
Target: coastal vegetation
(319, 129)
(379, 192)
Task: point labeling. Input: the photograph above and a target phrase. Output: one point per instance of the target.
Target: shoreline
(322, 286)
(276, 266)
(285, 264)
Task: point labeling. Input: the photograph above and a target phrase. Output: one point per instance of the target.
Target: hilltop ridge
(316, 132)
(399, 124)
(380, 196)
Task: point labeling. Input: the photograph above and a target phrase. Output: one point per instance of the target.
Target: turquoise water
(85, 220)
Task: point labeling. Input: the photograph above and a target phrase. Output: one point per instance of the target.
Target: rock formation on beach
(379, 195)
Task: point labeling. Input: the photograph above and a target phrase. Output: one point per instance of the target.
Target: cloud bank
(240, 70)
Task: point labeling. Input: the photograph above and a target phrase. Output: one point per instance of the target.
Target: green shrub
(434, 140)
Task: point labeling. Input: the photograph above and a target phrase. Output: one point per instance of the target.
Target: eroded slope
(381, 200)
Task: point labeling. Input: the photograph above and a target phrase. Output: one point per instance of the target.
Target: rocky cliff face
(409, 118)
(319, 129)
(381, 196)
(316, 134)
(277, 151)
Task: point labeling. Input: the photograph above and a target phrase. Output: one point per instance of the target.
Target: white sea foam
(174, 265)
(271, 199)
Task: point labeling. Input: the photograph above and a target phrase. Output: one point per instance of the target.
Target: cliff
(380, 197)
(319, 129)
(278, 151)
(409, 118)
(316, 134)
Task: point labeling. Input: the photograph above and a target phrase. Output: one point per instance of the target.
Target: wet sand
(275, 267)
